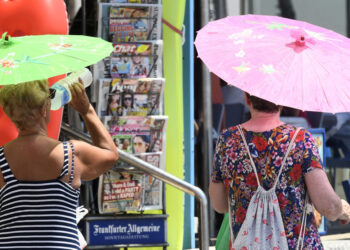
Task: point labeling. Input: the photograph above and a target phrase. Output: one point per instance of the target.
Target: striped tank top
(38, 214)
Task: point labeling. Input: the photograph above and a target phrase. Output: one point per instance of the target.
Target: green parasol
(38, 57)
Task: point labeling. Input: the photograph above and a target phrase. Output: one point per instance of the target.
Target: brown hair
(263, 105)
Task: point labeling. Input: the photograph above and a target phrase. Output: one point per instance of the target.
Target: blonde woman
(40, 177)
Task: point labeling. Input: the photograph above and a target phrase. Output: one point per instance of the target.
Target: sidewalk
(336, 241)
(330, 242)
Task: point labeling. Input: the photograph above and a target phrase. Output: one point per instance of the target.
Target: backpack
(263, 227)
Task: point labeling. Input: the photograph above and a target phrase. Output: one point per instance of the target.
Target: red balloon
(34, 17)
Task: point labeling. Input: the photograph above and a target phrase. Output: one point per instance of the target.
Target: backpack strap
(300, 242)
(291, 143)
(248, 151)
(230, 220)
(284, 159)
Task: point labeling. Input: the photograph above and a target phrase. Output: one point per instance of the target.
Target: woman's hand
(345, 216)
(80, 101)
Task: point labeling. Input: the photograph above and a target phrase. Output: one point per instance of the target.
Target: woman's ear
(246, 99)
(45, 109)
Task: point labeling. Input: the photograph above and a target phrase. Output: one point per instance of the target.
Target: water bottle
(63, 95)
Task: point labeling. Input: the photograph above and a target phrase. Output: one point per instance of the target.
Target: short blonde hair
(22, 102)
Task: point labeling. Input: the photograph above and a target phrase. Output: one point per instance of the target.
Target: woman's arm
(322, 195)
(92, 160)
(218, 197)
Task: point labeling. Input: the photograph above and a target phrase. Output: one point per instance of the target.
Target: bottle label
(65, 95)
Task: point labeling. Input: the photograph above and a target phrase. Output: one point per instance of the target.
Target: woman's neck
(32, 132)
(262, 121)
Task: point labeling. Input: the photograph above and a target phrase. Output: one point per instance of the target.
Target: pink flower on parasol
(288, 62)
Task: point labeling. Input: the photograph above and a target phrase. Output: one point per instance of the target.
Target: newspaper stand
(122, 224)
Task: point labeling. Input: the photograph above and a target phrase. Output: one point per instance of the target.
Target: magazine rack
(135, 228)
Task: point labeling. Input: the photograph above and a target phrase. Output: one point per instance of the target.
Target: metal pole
(242, 5)
(207, 145)
(83, 7)
(348, 18)
(250, 7)
(220, 8)
(163, 176)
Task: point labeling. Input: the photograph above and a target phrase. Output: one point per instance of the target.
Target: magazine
(134, 60)
(99, 70)
(120, 191)
(152, 193)
(147, 133)
(130, 97)
(123, 142)
(152, 189)
(128, 22)
(138, 49)
(140, 192)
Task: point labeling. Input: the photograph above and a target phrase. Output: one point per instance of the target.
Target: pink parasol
(288, 62)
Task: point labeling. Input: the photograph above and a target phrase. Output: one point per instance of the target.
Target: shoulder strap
(72, 170)
(5, 168)
(65, 162)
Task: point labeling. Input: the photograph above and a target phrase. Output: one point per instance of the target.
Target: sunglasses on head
(52, 93)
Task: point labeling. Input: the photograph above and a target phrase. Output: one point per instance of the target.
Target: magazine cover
(128, 22)
(138, 49)
(130, 67)
(130, 97)
(134, 60)
(111, 195)
(152, 189)
(99, 70)
(120, 191)
(123, 142)
(148, 133)
(152, 193)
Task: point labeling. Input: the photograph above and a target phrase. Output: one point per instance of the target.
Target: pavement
(337, 238)
(336, 241)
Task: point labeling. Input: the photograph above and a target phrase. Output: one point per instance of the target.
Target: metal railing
(163, 176)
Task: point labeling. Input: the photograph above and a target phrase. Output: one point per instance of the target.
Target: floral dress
(232, 166)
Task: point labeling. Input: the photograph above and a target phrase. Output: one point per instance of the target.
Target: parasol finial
(301, 37)
(5, 39)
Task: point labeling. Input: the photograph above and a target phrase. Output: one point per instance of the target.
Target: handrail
(163, 176)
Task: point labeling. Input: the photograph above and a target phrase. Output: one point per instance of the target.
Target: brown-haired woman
(234, 182)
